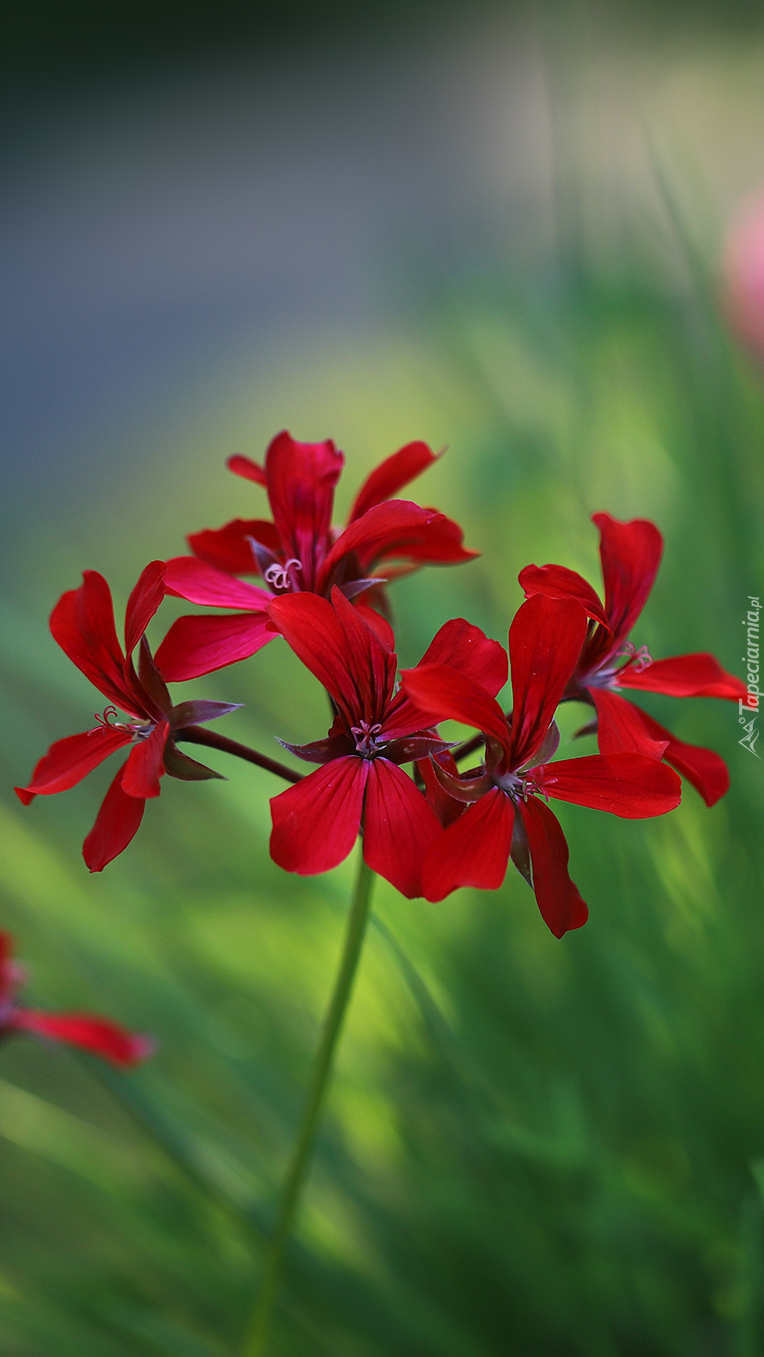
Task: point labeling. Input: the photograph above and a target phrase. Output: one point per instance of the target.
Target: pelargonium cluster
(322, 590)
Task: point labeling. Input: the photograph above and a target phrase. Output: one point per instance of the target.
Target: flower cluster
(323, 591)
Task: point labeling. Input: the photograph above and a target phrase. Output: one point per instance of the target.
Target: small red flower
(351, 651)
(609, 662)
(83, 624)
(299, 551)
(98, 1035)
(504, 814)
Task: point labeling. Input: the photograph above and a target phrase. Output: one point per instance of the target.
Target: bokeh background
(498, 229)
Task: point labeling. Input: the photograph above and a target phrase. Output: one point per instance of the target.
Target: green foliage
(532, 1146)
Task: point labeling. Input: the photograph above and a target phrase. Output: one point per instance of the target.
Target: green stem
(254, 1345)
(212, 740)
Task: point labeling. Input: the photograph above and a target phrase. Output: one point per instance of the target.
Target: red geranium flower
(351, 651)
(630, 554)
(98, 1035)
(83, 624)
(299, 551)
(504, 814)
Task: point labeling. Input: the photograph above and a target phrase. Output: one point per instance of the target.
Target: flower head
(503, 811)
(299, 550)
(83, 625)
(360, 782)
(84, 1030)
(609, 662)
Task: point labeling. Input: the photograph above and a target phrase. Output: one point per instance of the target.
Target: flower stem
(468, 747)
(211, 739)
(254, 1345)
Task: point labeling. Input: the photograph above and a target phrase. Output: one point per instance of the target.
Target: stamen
(142, 732)
(531, 787)
(366, 742)
(105, 722)
(278, 575)
(639, 660)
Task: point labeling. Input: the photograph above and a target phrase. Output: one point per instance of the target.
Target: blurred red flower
(630, 555)
(83, 624)
(90, 1033)
(743, 275)
(300, 551)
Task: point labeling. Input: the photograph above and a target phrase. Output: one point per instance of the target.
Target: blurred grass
(532, 1147)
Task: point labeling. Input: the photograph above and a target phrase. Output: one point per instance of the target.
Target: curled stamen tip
(104, 721)
(278, 575)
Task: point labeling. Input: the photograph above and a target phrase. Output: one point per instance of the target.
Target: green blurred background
(498, 231)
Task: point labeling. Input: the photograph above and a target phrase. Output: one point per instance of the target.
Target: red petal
(301, 481)
(311, 627)
(463, 647)
(369, 656)
(685, 676)
(446, 807)
(396, 528)
(68, 761)
(447, 695)
(545, 641)
(98, 1035)
(398, 827)
(244, 466)
(473, 851)
(198, 645)
(145, 764)
(555, 581)
(630, 555)
(466, 648)
(391, 475)
(702, 767)
(229, 548)
(82, 623)
(143, 603)
(198, 582)
(441, 543)
(562, 908)
(630, 785)
(116, 824)
(316, 822)
(343, 653)
(620, 726)
(378, 624)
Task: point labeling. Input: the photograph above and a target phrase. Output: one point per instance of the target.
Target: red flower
(94, 1034)
(504, 815)
(630, 554)
(83, 624)
(299, 551)
(350, 650)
